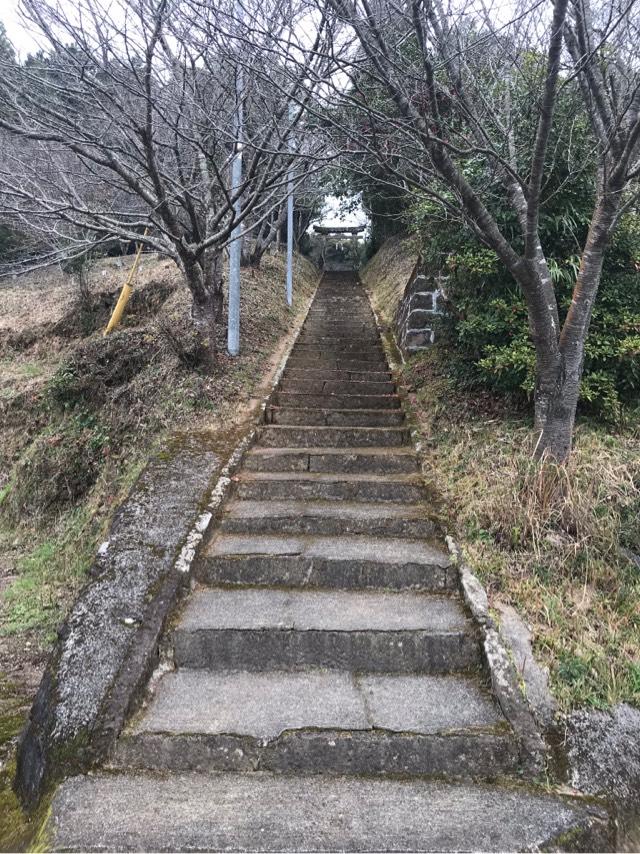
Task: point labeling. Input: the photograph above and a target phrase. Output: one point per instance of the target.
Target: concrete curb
(108, 646)
(504, 678)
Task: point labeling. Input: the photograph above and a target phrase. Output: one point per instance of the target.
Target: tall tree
(463, 83)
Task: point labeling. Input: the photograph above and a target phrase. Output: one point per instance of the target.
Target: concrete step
(332, 363)
(274, 812)
(276, 436)
(335, 401)
(337, 376)
(258, 629)
(353, 350)
(344, 340)
(325, 317)
(332, 417)
(345, 563)
(321, 721)
(324, 518)
(354, 460)
(317, 383)
(285, 486)
(317, 329)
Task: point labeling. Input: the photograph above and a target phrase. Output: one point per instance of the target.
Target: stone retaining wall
(414, 320)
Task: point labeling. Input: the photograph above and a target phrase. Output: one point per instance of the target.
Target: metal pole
(235, 248)
(289, 286)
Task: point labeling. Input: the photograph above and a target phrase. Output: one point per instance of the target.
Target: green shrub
(485, 324)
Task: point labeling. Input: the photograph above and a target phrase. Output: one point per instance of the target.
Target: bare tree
(470, 105)
(126, 121)
(265, 233)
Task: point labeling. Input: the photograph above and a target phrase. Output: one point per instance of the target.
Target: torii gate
(326, 231)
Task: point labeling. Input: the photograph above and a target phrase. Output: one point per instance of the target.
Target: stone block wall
(414, 320)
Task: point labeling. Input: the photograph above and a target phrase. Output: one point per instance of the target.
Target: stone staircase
(328, 689)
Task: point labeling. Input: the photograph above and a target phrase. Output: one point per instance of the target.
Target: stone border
(497, 654)
(108, 646)
(499, 658)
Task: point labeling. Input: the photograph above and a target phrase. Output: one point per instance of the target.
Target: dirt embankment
(81, 414)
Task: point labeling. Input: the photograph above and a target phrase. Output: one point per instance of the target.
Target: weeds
(560, 543)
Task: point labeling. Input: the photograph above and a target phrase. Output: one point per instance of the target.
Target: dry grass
(557, 542)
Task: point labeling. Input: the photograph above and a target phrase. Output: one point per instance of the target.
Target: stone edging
(504, 678)
(108, 646)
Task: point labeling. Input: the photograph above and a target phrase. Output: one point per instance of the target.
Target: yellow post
(125, 293)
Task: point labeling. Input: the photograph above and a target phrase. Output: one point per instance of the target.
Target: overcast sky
(22, 40)
(24, 43)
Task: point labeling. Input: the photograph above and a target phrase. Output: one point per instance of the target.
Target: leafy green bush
(485, 324)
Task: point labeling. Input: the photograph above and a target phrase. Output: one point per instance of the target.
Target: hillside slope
(80, 415)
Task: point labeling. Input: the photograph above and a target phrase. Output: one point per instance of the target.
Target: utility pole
(235, 248)
(289, 285)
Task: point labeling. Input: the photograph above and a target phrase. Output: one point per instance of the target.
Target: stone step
(330, 363)
(354, 349)
(349, 341)
(321, 721)
(355, 460)
(276, 436)
(335, 401)
(338, 376)
(332, 417)
(286, 486)
(280, 813)
(317, 383)
(362, 631)
(323, 518)
(345, 563)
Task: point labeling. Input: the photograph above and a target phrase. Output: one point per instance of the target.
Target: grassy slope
(387, 273)
(70, 452)
(51, 514)
(558, 544)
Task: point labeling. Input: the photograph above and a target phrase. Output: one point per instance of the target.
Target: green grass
(31, 369)
(52, 569)
(46, 574)
(25, 370)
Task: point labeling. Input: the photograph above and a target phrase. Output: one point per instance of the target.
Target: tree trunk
(558, 387)
(203, 314)
(556, 401)
(205, 284)
(266, 236)
(213, 266)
